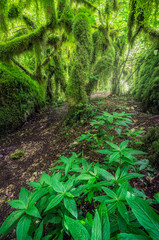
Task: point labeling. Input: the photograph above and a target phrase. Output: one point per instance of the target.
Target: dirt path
(36, 139)
(44, 138)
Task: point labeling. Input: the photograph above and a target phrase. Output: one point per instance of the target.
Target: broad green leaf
(118, 130)
(57, 186)
(121, 223)
(104, 222)
(69, 184)
(114, 156)
(23, 227)
(24, 195)
(104, 199)
(77, 230)
(10, 222)
(34, 184)
(126, 154)
(110, 193)
(112, 207)
(33, 211)
(37, 195)
(55, 202)
(79, 190)
(68, 194)
(64, 159)
(128, 236)
(39, 232)
(123, 211)
(113, 145)
(117, 174)
(17, 204)
(129, 176)
(105, 174)
(96, 228)
(145, 215)
(45, 178)
(105, 151)
(85, 177)
(70, 205)
(29, 238)
(67, 168)
(89, 218)
(122, 191)
(136, 152)
(124, 144)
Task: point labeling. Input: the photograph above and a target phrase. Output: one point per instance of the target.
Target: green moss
(67, 19)
(17, 154)
(3, 15)
(82, 32)
(20, 96)
(28, 21)
(13, 12)
(61, 7)
(151, 145)
(59, 73)
(20, 44)
(147, 80)
(53, 39)
(50, 12)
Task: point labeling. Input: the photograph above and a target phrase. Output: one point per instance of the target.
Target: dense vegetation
(64, 50)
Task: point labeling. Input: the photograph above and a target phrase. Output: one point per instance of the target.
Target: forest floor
(46, 137)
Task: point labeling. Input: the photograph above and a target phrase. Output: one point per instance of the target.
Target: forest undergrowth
(47, 137)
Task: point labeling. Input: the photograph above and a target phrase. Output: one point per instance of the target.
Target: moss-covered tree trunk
(115, 77)
(76, 90)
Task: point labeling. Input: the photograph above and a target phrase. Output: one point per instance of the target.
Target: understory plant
(113, 209)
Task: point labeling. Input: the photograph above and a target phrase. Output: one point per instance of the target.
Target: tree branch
(24, 69)
(133, 72)
(47, 59)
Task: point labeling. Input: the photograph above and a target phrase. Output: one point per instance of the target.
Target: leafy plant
(53, 209)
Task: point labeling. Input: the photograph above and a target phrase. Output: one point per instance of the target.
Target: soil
(46, 136)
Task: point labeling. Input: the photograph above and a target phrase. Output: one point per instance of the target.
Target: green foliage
(20, 96)
(20, 44)
(147, 80)
(52, 208)
(17, 154)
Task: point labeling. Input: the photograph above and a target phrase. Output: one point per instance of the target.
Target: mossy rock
(20, 96)
(17, 154)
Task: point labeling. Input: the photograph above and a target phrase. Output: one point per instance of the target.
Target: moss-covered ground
(46, 137)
